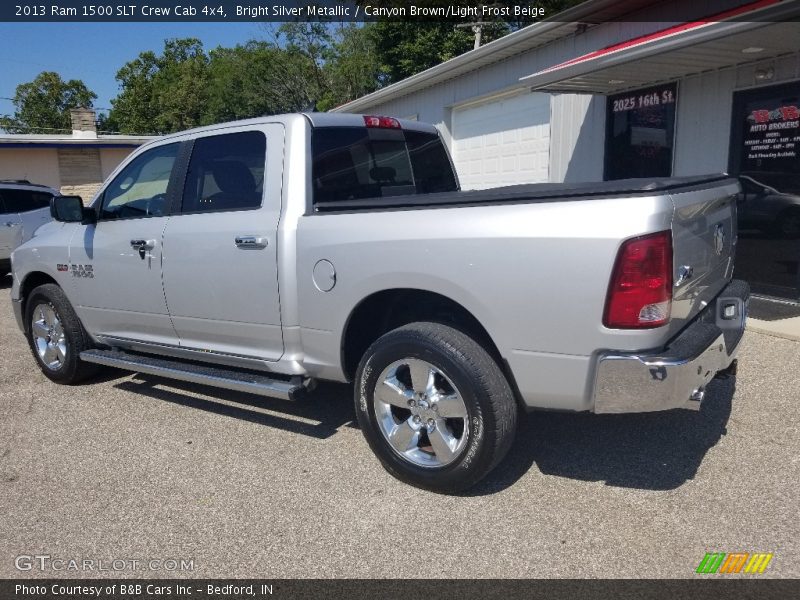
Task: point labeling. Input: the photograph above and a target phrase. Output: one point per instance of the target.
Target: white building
(75, 163)
(612, 89)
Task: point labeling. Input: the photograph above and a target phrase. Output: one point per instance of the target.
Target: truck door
(220, 251)
(116, 262)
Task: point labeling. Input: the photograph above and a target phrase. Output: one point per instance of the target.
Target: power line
(92, 107)
(30, 128)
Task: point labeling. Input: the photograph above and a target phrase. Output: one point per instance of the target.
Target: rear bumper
(676, 376)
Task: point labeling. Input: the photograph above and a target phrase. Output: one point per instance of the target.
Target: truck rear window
(351, 163)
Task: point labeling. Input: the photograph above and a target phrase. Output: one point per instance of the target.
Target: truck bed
(532, 193)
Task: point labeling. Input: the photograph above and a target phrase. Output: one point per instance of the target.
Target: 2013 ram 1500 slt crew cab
(263, 255)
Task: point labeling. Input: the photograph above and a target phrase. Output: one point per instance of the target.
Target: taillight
(383, 122)
(640, 292)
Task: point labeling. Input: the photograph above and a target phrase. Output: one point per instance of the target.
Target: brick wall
(80, 171)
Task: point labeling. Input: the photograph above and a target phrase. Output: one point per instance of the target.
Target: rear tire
(56, 336)
(434, 407)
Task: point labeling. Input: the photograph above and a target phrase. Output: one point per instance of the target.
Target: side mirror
(70, 209)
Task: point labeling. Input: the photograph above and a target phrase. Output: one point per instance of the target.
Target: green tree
(252, 80)
(181, 85)
(310, 42)
(42, 105)
(133, 110)
(353, 68)
(405, 48)
(305, 65)
(324, 65)
(162, 93)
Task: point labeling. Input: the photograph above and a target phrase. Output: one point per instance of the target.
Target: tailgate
(704, 244)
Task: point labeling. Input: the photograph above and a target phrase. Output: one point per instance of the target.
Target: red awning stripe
(665, 33)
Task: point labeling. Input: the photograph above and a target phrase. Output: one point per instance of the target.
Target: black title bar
(456, 11)
(245, 10)
(708, 586)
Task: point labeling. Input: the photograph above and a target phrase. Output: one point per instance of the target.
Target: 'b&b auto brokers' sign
(766, 136)
(773, 133)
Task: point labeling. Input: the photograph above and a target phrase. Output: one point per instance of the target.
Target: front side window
(226, 172)
(20, 201)
(140, 190)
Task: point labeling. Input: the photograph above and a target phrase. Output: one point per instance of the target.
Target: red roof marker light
(381, 122)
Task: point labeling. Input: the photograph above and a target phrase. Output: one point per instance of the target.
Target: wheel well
(383, 311)
(32, 281)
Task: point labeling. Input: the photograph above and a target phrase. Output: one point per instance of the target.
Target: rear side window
(350, 163)
(19, 201)
(226, 172)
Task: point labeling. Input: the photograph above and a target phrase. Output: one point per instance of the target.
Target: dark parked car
(768, 209)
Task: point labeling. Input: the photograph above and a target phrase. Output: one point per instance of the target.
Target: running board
(229, 379)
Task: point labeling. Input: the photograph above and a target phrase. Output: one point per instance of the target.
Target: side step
(229, 379)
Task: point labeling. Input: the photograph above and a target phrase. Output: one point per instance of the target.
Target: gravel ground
(127, 467)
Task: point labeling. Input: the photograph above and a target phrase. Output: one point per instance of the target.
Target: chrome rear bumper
(675, 377)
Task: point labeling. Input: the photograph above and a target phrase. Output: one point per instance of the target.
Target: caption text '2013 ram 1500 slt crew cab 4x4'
(264, 255)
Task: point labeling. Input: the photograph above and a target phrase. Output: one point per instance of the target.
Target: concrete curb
(788, 329)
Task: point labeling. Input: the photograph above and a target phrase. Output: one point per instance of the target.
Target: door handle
(143, 244)
(12, 224)
(251, 241)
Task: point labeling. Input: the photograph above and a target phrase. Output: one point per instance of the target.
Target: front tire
(434, 407)
(56, 336)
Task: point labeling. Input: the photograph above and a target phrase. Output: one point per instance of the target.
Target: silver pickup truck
(265, 255)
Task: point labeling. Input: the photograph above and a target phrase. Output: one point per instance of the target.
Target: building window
(766, 136)
(765, 155)
(640, 132)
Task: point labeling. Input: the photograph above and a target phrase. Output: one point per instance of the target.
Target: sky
(94, 52)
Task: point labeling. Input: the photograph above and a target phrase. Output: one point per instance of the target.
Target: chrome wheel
(420, 413)
(49, 340)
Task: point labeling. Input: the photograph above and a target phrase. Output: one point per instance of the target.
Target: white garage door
(503, 142)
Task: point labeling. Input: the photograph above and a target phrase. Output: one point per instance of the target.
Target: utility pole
(478, 25)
